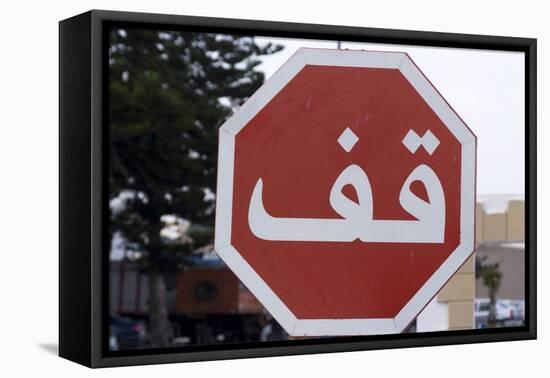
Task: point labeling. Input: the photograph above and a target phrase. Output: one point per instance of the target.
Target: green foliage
(489, 273)
(491, 276)
(169, 93)
(201, 235)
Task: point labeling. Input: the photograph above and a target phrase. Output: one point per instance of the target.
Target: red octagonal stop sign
(346, 193)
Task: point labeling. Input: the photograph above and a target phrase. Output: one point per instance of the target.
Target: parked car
(506, 311)
(127, 333)
(518, 308)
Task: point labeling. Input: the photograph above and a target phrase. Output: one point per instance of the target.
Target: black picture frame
(83, 195)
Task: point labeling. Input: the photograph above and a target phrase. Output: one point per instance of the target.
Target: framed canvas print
(234, 188)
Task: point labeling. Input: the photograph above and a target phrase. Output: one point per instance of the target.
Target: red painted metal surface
(292, 145)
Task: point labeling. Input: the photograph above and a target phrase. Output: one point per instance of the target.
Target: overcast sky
(486, 88)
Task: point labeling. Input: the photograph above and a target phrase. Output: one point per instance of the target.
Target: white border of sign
(341, 327)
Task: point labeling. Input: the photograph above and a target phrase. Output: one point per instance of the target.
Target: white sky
(486, 88)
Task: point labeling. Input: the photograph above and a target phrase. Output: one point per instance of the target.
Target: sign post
(346, 193)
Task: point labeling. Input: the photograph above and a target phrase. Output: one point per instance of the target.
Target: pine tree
(169, 92)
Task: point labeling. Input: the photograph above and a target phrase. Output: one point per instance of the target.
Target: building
(205, 301)
(500, 228)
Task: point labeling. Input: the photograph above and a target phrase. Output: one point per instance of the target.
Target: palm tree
(491, 276)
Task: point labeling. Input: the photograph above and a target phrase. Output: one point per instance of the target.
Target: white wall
(434, 317)
(28, 200)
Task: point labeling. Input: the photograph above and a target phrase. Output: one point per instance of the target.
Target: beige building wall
(508, 224)
(495, 226)
(479, 222)
(459, 293)
(516, 221)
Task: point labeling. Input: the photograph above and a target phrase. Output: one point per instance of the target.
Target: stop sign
(346, 193)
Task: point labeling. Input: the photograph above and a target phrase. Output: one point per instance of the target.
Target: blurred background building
(206, 303)
(465, 301)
